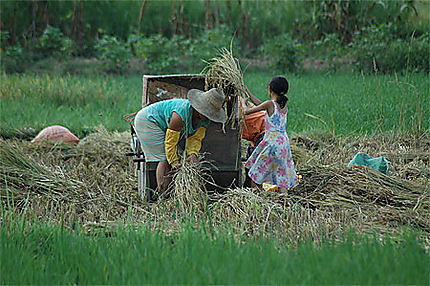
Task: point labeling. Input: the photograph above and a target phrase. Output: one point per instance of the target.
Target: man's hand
(174, 170)
(192, 158)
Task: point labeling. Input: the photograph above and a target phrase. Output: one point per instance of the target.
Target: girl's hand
(243, 101)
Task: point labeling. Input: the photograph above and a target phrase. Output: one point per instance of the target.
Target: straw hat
(209, 103)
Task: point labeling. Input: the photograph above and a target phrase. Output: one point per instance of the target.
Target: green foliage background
(161, 33)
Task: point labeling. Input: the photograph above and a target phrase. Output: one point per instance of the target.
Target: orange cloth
(253, 126)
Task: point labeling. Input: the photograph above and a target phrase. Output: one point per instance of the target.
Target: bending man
(160, 126)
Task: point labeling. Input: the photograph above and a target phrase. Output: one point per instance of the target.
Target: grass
(76, 102)
(33, 252)
(352, 103)
(48, 254)
(337, 103)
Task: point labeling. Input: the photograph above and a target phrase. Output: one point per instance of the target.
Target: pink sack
(56, 133)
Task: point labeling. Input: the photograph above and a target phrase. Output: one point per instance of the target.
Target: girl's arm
(253, 98)
(266, 106)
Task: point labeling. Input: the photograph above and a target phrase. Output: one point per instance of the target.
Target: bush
(4, 37)
(330, 45)
(379, 44)
(159, 53)
(162, 54)
(13, 59)
(53, 42)
(207, 44)
(284, 53)
(114, 53)
(419, 54)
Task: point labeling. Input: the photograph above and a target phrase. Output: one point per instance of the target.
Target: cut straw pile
(21, 175)
(93, 181)
(95, 184)
(358, 194)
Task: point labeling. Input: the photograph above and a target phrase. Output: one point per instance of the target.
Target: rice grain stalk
(21, 173)
(187, 191)
(224, 73)
(246, 211)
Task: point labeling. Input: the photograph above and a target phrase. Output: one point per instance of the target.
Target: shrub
(207, 44)
(331, 45)
(4, 37)
(13, 59)
(159, 52)
(331, 49)
(53, 42)
(379, 44)
(419, 54)
(284, 52)
(162, 54)
(114, 53)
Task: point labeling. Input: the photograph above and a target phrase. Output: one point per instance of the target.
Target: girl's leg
(256, 186)
(162, 175)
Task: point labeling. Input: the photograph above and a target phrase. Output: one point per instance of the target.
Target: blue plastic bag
(379, 163)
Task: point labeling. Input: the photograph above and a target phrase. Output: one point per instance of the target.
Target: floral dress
(272, 162)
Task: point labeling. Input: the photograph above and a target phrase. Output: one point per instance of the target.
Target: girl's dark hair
(280, 86)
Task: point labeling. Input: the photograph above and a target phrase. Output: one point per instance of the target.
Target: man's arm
(172, 138)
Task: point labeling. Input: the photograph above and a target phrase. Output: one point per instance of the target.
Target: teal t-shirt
(161, 113)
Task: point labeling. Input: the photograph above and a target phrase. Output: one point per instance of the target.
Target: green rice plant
(76, 102)
(353, 102)
(47, 254)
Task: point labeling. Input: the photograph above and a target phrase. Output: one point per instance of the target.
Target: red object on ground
(56, 133)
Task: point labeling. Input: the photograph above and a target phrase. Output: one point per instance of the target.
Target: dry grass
(187, 193)
(224, 73)
(93, 183)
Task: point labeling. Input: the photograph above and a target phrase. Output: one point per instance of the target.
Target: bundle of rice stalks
(381, 199)
(224, 72)
(247, 212)
(242, 205)
(187, 191)
(22, 177)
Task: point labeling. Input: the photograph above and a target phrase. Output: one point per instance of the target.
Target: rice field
(72, 214)
(49, 254)
(335, 103)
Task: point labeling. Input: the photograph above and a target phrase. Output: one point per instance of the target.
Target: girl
(272, 162)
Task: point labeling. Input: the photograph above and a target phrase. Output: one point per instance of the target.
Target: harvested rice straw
(21, 173)
(224, 72)
(58, 182)
(187, 191)
(243, 204)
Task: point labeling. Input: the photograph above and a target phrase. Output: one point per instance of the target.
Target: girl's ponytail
(280, 86)
(282, 101)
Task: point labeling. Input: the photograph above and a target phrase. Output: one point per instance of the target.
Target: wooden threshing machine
(221, 146)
